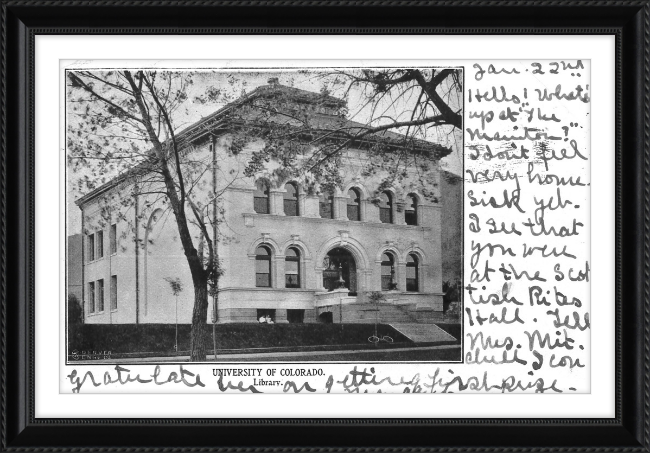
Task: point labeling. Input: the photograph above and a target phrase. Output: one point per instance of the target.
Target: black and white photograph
(320, 225)
(305, 227)
(264, 215)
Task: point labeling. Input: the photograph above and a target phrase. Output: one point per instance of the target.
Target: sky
(233, 84)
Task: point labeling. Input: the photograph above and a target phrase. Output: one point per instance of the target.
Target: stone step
(423, 333)
(373, 313)
(390, 313)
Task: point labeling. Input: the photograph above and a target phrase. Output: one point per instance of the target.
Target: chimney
(273, 81)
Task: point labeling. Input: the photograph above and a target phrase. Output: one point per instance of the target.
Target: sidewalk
(268, 355)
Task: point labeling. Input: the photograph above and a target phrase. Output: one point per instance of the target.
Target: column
(310, 206)
(398, 213)
(276, 201)
(400, 276)
(302, 210)
(278, 271)
(371, 212)
(281, 316)
(341, 208)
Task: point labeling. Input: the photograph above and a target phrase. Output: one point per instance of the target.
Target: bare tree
(399, 115)
(439, 92)
(123, 123)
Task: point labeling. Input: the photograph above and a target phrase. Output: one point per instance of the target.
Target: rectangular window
(411, 279)
(113, 292)
(290, 207)
(91, 247)
(412, 285)
(410, 217)
(262, 280)
(386, 278)
(113, 239)
(326, 205)
(292, 274)
(100, 244)
(384, 215)
(266, 315)
(263, 273)
(386, 274)
(295, 316)
(326, 211)
(100, 295)
(91, 297)
(354, 213)
(261, 205)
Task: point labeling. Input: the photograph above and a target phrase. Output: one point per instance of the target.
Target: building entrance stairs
(387, 313)
(423, 333)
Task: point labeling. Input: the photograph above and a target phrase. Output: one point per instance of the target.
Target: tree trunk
(198, 335)
(215, 317)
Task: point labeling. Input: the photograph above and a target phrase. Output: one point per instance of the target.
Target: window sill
(266, 288)
(339, 221)
(95, 313)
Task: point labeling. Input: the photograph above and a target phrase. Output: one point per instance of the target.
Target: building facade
(290, 252)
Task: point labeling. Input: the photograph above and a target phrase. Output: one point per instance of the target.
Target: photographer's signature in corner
(89, 355)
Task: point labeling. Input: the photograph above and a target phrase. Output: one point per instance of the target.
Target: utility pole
(215, 241)
(341, 283)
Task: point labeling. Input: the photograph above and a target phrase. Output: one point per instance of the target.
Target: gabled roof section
(142, 168)
(324, 110)
(329, 105)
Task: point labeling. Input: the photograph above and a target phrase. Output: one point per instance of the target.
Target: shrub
(134, 338)
(75, 313)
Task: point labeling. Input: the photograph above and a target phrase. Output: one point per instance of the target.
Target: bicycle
(375, 339)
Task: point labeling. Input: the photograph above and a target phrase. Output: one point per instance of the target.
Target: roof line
(186, 134)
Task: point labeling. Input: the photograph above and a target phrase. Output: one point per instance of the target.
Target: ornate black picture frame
(629, 21)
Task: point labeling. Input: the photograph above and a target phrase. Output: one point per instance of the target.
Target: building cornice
(347, 223)
(219, 123)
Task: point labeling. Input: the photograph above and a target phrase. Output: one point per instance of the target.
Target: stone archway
(339, 263)
(354, 247)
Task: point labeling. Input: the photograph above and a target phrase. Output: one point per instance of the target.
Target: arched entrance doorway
(340, 262)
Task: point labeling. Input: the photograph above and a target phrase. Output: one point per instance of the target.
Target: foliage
(308, 134)
(130, 126)
(160, 338)
(452, 290)
(376, 297)
(75, 311)
(125, 123)
(175, 285)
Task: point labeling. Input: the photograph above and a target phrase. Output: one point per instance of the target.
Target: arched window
(292, 268)
(354, 204)
(326, 205)
(261, 198)
(388, 281)
(386, 207)
(411, 212)
(412, 273)
(263, 267)
(291, 199)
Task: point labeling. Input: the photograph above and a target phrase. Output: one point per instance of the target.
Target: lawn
(423, 354)
(159, 339)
